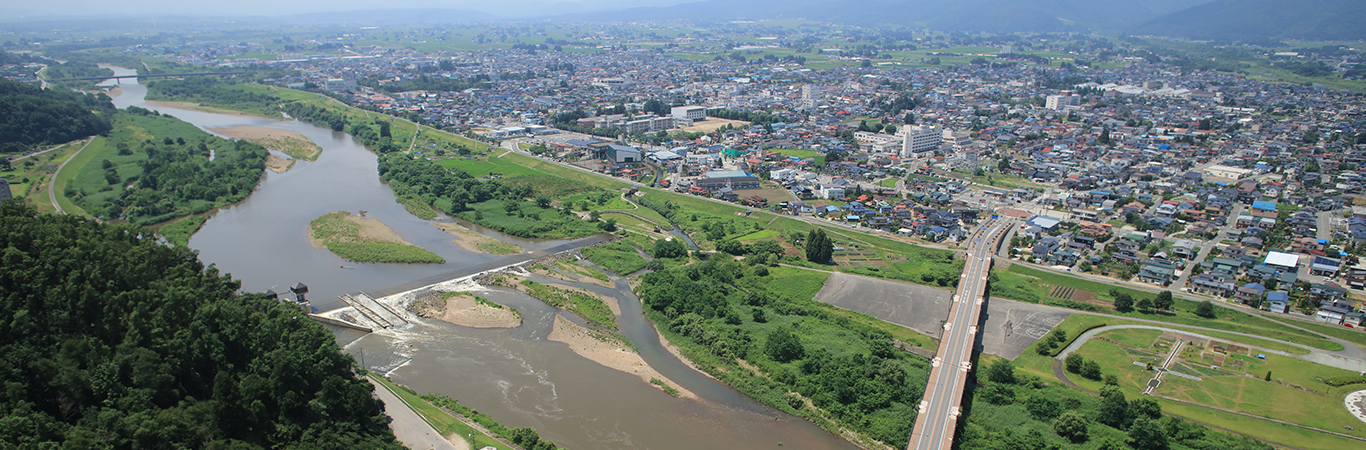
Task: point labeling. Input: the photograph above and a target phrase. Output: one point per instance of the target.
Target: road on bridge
(939, 408)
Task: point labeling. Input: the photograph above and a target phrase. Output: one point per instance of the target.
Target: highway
(939, 408)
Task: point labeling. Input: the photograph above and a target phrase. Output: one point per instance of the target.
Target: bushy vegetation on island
(112, 340)
(32, 117)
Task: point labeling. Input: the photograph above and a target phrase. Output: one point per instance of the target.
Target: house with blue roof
(1264, 205)
(1277, 302)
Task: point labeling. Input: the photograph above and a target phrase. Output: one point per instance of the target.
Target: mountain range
(1244, 20)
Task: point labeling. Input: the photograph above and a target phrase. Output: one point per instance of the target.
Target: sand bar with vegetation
(291, 143)
(191, 106)
(362, 239)
(466, 310)
(473, 241)
(607, 349)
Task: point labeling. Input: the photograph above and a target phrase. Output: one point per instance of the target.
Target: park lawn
(1114, 360)
(888, 182)
(442, 421)
(1136, 338)
(1228, 319)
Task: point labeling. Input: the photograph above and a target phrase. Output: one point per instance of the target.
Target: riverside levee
(515, 375)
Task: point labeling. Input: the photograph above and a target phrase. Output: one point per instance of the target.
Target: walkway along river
(515, 375)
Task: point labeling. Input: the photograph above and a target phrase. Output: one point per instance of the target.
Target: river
(514, 375)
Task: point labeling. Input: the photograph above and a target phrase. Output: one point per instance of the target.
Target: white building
(1058, 102)
(957, 141)
(688, 114)
(829, 192)
(917, 140)
(782, 174)
(340, 84)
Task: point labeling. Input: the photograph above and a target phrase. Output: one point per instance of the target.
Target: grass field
(802, 153)
(620, 258)
(1353, 335)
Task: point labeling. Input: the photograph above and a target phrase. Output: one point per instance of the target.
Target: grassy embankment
(30, 178)
(1033, 285)
(366, 243)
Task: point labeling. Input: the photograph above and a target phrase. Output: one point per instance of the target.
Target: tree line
(113, 340)
(31, 117)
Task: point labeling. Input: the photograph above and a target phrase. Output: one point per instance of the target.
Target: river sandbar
(114, 92)
(604, 349)
(463, 309)
(371, 230)
(474, 242)
(277, 164)
(291, 143)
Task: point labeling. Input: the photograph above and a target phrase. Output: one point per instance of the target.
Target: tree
(1113, 409)
(1091, 370)
(1072, 426)
(1042, 407)
(1146, 434)
(1104, 136)
(818, 247)
(1164, 300)
(783, 346)
(669, 248)
(1145, 407)
(1124, 303)
(1145, 305)
(1074, 362)
(1205, 309)
(1085, 266)
(1001, 371)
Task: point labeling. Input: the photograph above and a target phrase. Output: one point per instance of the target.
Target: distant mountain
(1337, 20)
(953, 15)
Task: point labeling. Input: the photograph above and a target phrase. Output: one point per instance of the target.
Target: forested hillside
(30, 116)
(111, 340)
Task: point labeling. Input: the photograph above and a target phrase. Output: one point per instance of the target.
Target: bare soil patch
(712, 124)
(278, 165)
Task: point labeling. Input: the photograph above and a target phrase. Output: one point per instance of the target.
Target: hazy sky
(17, 9)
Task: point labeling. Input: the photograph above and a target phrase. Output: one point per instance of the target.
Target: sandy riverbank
(474, 242)
(278, 165)
(371, 230)
(288, 142)
(604, 349)
(114, 92)
(463, 309)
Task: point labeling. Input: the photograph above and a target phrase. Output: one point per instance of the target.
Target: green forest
(154, 168)
(32, 117)
(112, 340)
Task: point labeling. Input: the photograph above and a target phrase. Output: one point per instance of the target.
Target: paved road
(1209, 246)
(939, 409)
(409, 427)
(52, 182)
